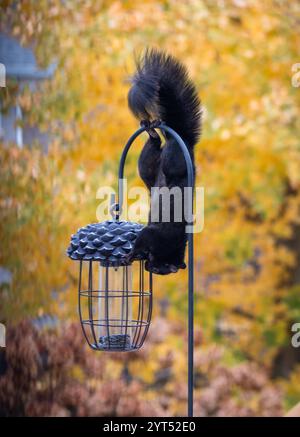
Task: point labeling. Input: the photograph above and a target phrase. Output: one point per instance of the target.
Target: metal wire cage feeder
(111, 324)
(114, 315)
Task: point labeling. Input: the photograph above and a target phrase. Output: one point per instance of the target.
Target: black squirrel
(162, 91)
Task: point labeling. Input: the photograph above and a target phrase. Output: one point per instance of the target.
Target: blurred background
(63, 123)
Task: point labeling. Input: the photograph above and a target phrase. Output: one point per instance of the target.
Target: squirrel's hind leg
(149, 160)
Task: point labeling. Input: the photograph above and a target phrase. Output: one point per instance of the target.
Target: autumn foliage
(49, 374)
(240, 54)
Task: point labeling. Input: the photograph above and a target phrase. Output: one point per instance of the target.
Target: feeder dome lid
(108, 242)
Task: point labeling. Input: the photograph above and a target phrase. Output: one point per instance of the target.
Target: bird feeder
(114, 315)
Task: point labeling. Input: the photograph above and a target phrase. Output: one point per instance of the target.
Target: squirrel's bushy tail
(161, 89)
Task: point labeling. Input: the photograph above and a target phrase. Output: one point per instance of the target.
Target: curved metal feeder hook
(118, 208)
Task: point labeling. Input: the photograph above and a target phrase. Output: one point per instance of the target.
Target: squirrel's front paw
(135, 255)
